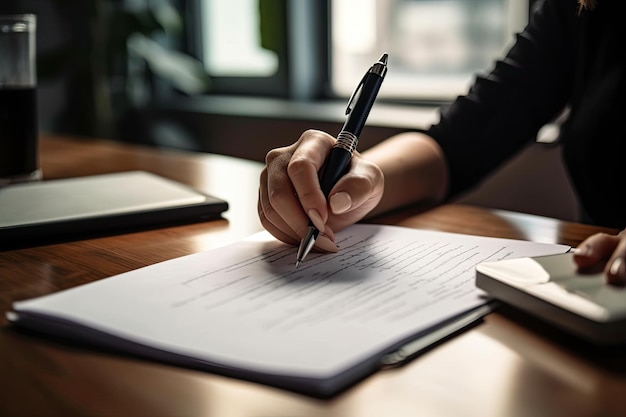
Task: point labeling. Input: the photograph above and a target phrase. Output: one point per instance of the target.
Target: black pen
(339, 158)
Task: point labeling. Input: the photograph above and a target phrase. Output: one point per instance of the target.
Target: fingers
(289, 178)
(271, 220)
(356, 193)
(616, 267)
(604, 248)
(303, 172)
(290, 195)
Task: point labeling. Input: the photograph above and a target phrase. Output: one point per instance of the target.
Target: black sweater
(564, 59)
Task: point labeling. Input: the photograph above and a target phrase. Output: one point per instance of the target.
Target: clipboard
(78, 207)
(552, 289)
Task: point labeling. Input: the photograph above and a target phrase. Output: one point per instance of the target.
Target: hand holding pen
(290, 195)
(338, 161)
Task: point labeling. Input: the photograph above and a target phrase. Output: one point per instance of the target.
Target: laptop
(78, 207)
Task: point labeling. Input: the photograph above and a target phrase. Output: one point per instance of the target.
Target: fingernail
(324, 243)
(315, 217)
(616, 268)
(340, 202)
(582, 250)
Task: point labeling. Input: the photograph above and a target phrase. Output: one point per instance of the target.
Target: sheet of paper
(246, 305)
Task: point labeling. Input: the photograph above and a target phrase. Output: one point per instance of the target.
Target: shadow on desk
(611, 359)
(55, 234)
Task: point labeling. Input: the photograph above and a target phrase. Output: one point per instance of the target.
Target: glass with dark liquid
(18, 100)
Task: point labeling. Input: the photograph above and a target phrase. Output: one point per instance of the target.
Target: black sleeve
(504, 109)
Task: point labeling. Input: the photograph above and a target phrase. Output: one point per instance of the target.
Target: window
(435, 46)
(309, 49)
(243, 45)
(233, 44)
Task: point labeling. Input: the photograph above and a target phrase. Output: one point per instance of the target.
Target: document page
(246, 306)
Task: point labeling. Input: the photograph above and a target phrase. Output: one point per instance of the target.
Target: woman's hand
(290, 195)
(602, 247)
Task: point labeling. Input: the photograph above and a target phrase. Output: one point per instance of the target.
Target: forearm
(414, 168)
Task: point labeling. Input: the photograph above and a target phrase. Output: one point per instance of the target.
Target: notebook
(106, 203)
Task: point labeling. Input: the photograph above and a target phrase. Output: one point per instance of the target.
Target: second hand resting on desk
(339, 157)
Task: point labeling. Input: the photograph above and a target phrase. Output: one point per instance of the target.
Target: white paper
(246, 305)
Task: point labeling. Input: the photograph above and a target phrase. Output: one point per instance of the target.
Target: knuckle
(297, 165)
(274, 154)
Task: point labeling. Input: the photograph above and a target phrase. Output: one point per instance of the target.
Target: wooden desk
(507, 366)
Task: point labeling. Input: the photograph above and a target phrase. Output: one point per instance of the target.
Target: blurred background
(239, 77)
(129, 69)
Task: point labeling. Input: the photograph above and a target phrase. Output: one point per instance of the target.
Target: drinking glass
(18, 99)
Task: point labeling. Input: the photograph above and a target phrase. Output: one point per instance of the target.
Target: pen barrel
(360, 112)
(335, 167)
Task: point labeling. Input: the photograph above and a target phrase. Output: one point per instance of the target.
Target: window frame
(302, 53)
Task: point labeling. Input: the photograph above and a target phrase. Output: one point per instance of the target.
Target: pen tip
(298, 262)
(384, 58)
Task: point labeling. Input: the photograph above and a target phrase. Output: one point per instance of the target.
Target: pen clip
(356, 90)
